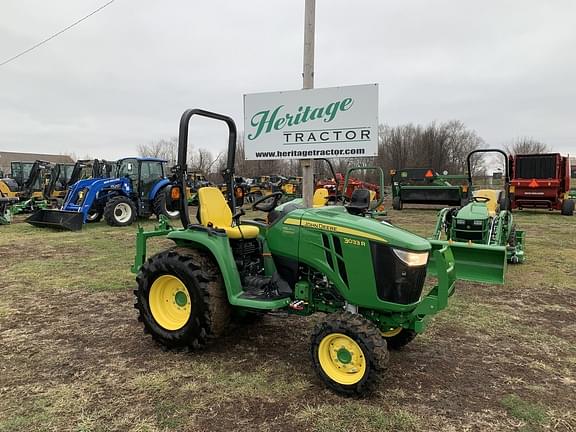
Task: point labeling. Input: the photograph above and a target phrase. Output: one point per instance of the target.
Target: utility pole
(308, 83)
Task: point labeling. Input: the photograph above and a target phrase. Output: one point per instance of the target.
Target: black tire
(400, 340)
(397, 203)
(210, 310)
(567, 208)
(367, 337)
(159, 206)
(114, 205)
(94, 215)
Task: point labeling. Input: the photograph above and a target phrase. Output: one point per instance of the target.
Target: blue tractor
(136, 190)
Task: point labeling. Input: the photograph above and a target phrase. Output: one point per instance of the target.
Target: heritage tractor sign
(308, 124)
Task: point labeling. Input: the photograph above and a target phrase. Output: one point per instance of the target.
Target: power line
(75, 23)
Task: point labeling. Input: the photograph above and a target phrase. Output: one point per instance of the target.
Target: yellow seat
(320, 197)
(493, 197)
(214, 211)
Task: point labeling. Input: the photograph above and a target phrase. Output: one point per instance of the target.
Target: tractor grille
(466, 230)
(395, 281)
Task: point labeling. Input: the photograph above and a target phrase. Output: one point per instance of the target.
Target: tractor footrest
(262, 294)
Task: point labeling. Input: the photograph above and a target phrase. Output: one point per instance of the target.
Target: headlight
(478, 222)
(412, 259)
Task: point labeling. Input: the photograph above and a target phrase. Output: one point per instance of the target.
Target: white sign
(309, 124)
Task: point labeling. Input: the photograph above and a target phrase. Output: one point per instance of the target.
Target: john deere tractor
(486, 219)
(366, 276)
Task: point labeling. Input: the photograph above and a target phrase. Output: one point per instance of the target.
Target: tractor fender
(219, 247)
(157, 187)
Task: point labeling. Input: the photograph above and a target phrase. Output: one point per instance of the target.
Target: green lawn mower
(486, 219)
(367, 276)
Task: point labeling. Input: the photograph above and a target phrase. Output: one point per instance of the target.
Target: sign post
(308, 83)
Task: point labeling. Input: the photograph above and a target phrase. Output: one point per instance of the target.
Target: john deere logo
(268, 120)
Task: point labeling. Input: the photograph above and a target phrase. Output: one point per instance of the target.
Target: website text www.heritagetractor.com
(309, 153)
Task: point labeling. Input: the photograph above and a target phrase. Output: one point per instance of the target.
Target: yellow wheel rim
(342, 359)
(169, 302)
(392, 332)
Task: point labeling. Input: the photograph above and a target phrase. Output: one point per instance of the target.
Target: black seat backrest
(359, 201)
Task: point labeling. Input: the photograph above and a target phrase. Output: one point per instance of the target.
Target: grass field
(74, 357)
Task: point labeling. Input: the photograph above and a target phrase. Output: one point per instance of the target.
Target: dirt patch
(77, 358)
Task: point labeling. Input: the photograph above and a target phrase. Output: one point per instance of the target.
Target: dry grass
(73, 357)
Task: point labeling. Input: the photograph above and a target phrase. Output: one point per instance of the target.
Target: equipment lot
(74, 356)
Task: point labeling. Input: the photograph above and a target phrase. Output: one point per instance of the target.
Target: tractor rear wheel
(159, 206)
(348, 353)
(399, 337)
(397, 203)
(181, 298)
(567, 208)
(120, 211)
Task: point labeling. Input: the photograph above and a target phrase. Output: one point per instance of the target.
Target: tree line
(439, 146)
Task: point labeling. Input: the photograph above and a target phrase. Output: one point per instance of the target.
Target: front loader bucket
(57, 219)
(474, 262)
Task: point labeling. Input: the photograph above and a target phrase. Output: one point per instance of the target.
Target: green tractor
(367, 276)
(486, 219)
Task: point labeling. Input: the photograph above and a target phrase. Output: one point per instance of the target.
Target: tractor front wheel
(567, 208)
(120, 211)
(348, 353)
(181, 298)
(94, 215)
(397, 203)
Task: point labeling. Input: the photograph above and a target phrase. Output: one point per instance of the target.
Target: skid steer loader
(366, 276)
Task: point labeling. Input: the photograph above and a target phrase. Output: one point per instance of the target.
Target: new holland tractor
(486, 219)
(136, 191)
(366, 276)
(63, 176)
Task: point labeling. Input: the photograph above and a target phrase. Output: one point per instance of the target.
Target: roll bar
(180, 170)
(506, 168)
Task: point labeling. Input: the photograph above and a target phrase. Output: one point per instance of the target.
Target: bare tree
(442, 147)
(166, 149)
(526, 145)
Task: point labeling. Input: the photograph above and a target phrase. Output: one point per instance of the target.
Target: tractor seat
(320, 198)
(359, 201)
(215, 212)
(493, 197)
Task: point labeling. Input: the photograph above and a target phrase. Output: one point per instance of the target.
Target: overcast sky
(124, 76)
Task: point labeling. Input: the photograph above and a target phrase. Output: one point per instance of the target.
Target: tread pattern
(109, 210)
(210, 316)
(367, 335)
(159, 205)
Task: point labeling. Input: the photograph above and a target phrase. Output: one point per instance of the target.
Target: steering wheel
(481, 199)
(274, 198)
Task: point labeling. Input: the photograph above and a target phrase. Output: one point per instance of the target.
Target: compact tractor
(426, 186)
(138, 190)
(541, 181)
(366, 276)
(24, 189)
(486, 219)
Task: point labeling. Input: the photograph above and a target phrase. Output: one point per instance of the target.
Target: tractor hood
(473, 210)
(337, 219)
